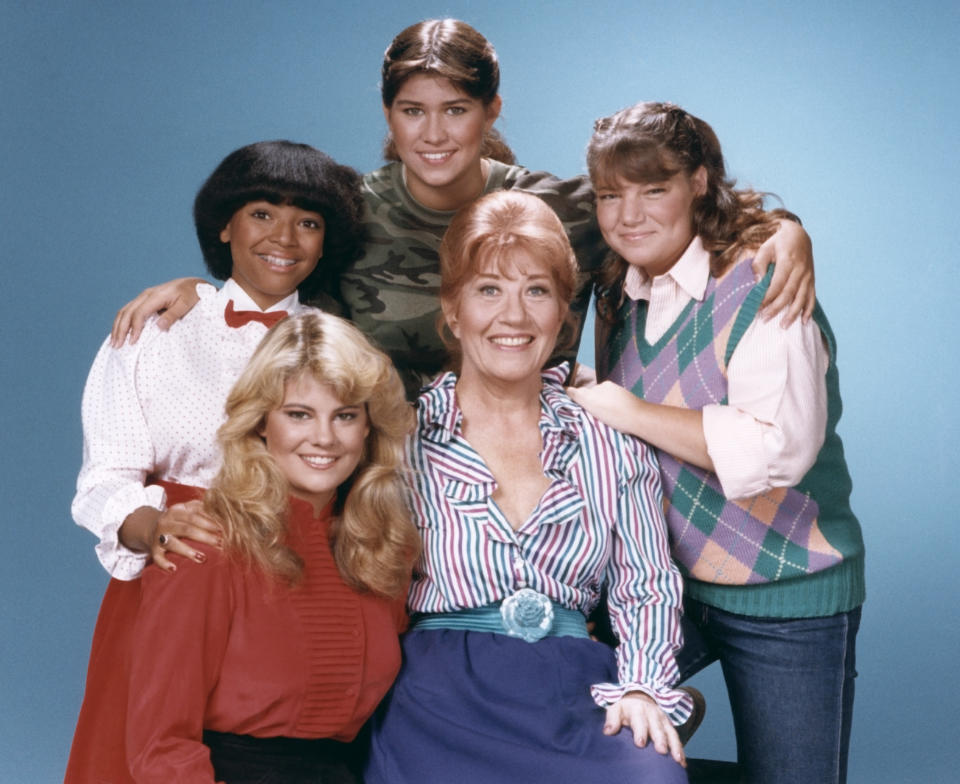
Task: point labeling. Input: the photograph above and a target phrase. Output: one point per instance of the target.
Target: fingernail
(199, 557)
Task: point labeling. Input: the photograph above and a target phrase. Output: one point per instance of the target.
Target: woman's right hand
(173, 300)
(183, 521)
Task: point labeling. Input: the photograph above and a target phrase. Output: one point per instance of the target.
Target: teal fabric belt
(566, 623)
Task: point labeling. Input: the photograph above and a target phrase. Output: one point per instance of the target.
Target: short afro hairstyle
(282, 172)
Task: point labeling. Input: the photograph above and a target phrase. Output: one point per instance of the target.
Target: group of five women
(264, 631)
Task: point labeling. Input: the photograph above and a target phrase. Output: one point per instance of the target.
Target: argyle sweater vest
(789, 552)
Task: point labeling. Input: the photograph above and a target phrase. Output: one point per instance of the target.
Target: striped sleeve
(645, 589)
(599, 519)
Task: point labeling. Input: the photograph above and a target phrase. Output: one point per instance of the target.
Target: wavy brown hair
(453, 50)
(374, 542)
(651, 142)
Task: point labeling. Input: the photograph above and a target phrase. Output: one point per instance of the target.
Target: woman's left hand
(791, 289)
(647, 721)
(179, 522)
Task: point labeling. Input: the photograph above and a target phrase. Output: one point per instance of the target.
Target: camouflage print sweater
(391, 292)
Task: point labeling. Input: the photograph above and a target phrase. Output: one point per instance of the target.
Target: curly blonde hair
(373, 540)
(651, 142)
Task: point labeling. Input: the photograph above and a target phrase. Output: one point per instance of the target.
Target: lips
(435, 157)
(278, 262)
(318, 461)
(636, 236)
(513, 341)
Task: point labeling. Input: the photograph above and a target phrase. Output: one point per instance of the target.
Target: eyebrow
(498, 276)
(295, 404)
(454, 102)
(305, 407)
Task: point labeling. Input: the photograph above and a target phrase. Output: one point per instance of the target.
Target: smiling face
(650, 224)
(274, 248)
(507, 319)
(316, 439)
(438, 132)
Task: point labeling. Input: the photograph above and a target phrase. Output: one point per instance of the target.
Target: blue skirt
(481, 708)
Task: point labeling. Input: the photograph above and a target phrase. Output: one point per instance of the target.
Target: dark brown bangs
(632, 160)
(461, 78)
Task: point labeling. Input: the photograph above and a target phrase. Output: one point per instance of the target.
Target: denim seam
(695, 664)
(701, 618)
(840, 693)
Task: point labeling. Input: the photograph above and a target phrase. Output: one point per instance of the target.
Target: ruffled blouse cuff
(676, 704)
(121, 562)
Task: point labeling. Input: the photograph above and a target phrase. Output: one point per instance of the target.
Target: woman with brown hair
(440, 82)
(743, 416)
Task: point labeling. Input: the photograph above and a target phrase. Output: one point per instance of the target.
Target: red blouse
(223, 647)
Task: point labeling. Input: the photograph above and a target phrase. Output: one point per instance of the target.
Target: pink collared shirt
(773, 425)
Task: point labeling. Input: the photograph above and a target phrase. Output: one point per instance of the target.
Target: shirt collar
(438, 410)
(441, 416)
(242, 301)
(558, 411)
(495, 172)
(691, 273)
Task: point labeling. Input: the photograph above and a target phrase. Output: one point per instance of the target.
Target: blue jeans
(790, 683)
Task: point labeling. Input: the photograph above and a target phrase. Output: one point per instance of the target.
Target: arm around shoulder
(678, 431)
(171, 301)
(791, 292)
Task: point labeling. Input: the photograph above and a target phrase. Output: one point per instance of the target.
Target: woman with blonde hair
(266, 660)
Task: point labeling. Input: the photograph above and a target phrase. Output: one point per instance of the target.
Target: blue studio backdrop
(114, 112)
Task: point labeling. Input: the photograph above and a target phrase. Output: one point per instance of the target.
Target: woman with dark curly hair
(269, 219)
(743, 416)
(274, 220)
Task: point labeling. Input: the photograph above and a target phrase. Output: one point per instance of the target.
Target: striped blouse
(599, 520)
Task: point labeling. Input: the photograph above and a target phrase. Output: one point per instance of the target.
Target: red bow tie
(237, 318)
